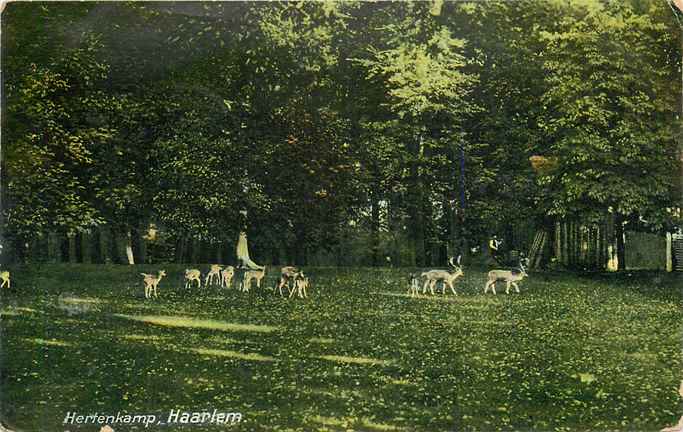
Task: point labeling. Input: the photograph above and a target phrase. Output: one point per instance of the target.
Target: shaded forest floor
(570, 352)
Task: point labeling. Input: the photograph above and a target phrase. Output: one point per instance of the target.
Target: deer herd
(296, 283)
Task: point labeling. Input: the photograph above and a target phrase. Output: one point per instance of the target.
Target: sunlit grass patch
(394, 381)
(188, 322)
(9, 312)
(356, 360)
(643, 356)
(231, 354)
(82, 300)
(321, 340)
(369, 424)
(437, 297)
(144, 338)
(49, 342)
(15, 311)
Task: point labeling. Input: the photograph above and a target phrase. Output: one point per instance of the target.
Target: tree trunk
(180, 248)
(53, 247)
(138, 244)
(610, 240)
(86, 248)
(374, 228)
(129, 247)
(620, 241)
(194, 256)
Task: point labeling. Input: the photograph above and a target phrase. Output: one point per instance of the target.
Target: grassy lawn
(568, 353)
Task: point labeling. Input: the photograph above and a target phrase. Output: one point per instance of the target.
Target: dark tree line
(349, 132)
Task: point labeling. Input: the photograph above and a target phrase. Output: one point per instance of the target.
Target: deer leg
(450, 284)
(507, 287)
(516, 287)
(424, 287)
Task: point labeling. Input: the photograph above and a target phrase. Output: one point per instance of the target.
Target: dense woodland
(353, 133)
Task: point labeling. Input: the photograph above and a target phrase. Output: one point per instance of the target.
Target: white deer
(446, 276)
(193, 275)
(287, 274)
(214, 273)
(226, 276)
(253, 274)
(301, 284)
(414, 285)
(151, 281)
(510, 277)
(4, 276)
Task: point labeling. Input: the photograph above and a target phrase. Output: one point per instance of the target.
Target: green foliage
(609, 114)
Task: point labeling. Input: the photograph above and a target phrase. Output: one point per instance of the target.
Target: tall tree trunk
(139, 245)
(445, 245)
(53, 247)
(620, 241)
(180, 248)
(218, 253)
(86, 247)
(417, 205)
(610, 240)
(374, 228)
(194, 256)
(129, 247)
(71, 242)
(95, 242)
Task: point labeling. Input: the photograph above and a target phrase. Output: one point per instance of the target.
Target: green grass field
(568, 353)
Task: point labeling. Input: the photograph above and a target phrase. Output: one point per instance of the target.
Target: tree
(609, 113)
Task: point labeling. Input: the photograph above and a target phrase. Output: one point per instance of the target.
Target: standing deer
(287, 274)
(226, 276)
(301, 284)
(413, 285)
(253, 274)
(214, 273)
(446, 276)
(511, 277)
(193, 275)
(151, 281)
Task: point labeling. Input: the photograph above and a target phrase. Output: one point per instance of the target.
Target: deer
(226, 276)
(511, 277)
(4, 276)
(253, 274)
(301, 284)
(446, 276)
(214, 273)
(193, 275)
(151, 282)
(413, 285)
(287, 275)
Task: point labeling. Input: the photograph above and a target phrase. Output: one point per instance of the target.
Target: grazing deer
(226, 276)
(253, 274)
(511, 277)
(193, 275)
(445, 276)
(214, 273)
(301, 284)
(414, 285)
(151, 281)
(287, 275)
